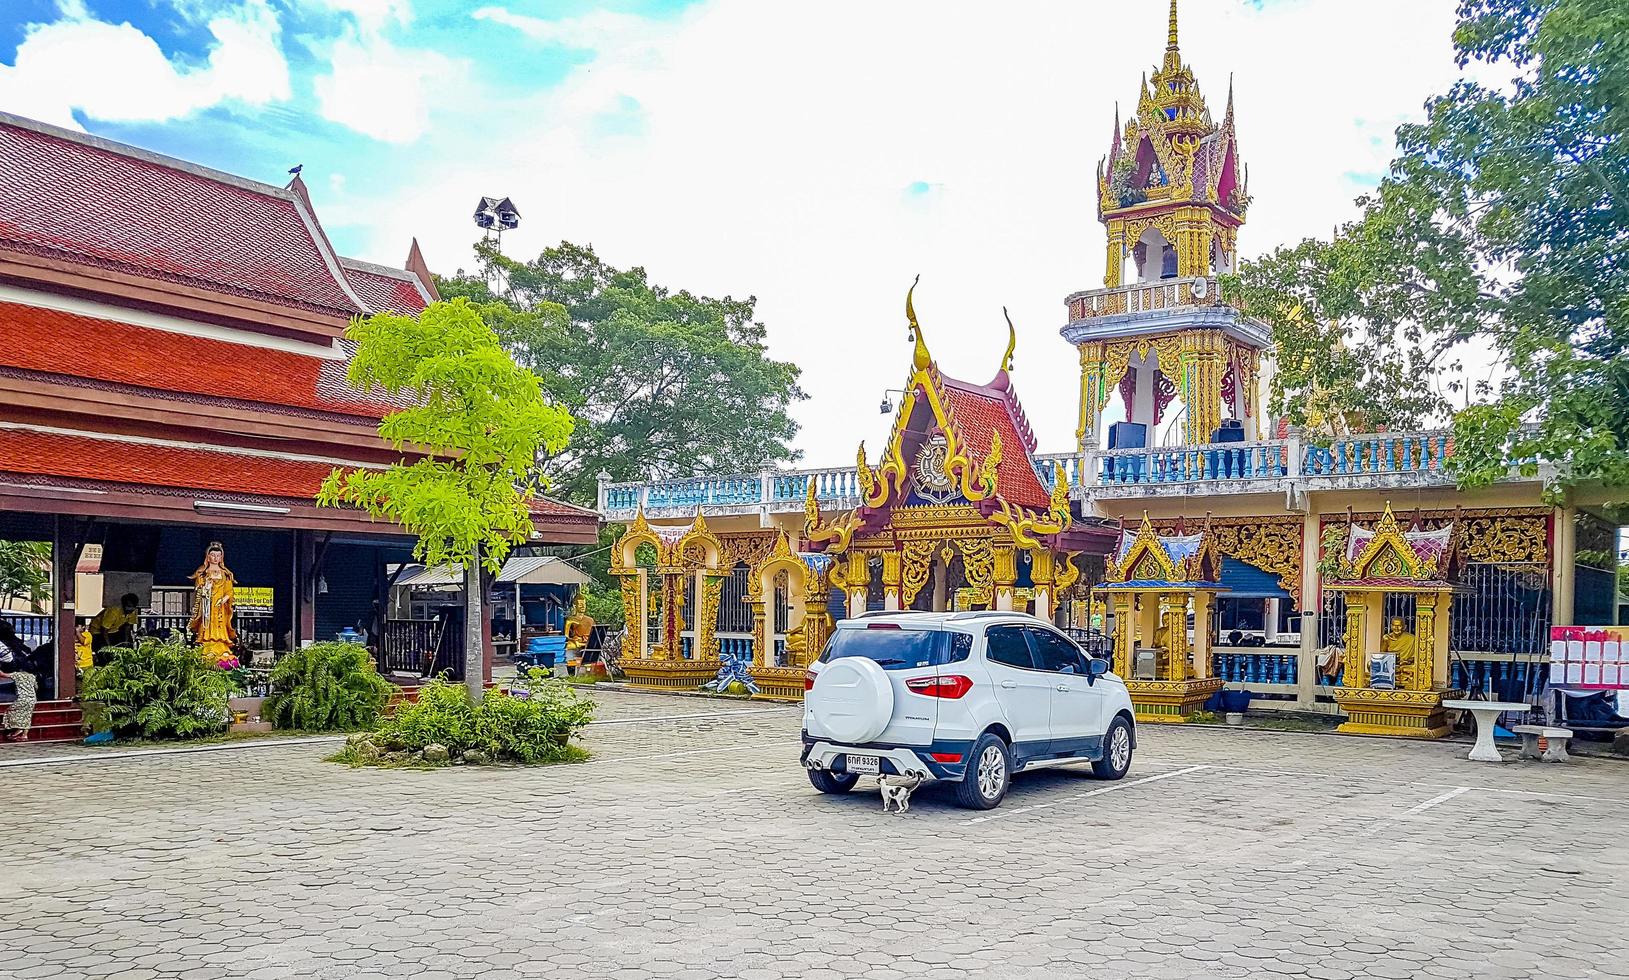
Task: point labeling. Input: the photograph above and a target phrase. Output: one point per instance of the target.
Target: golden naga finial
(1171, 38)
(1012, 342)
(990, 468)
(921, 358)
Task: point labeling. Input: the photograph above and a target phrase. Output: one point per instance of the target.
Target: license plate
(864, 765)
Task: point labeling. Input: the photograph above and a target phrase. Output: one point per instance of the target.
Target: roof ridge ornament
(921, 358)
(1012, 342)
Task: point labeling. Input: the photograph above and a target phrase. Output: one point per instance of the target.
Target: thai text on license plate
(864, 765)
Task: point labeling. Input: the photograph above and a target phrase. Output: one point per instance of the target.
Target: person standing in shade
(20, 668)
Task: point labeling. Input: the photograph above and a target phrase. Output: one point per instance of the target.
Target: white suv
(971, 697)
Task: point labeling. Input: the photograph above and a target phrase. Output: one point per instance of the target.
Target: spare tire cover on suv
(852, 700)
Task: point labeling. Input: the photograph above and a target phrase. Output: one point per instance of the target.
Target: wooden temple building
(173, 369)
(1178, 374)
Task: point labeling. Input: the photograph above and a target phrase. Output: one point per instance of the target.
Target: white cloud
(116, 73)
(377, 88)
(778, 147)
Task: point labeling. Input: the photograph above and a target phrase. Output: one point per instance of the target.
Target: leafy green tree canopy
(25, 571)
(1502, 225)
(481, 421)
(662, 383)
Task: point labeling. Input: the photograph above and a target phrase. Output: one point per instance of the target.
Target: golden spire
(921, 358)
(1012, 342)
(1173, 58)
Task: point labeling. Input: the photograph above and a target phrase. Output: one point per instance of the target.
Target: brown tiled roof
(57, 342)
(151, 465)
(979, 411)
(384, 289)
(89, 201)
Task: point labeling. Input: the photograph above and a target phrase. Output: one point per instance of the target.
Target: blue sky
(816, 156)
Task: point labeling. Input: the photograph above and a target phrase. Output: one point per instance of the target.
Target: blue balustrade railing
(1381, 452)
(1257, 668)
(1190, 464)
(1046, 468)
(735, 648)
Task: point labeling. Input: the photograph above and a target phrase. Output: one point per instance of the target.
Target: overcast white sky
(816, 156)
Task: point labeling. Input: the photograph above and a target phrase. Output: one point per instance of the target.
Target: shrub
(327, 686)
(533, 727)
(156, 689)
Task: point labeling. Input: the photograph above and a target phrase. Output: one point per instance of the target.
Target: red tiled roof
(383, 289)
(979, 411)
(90, 201)
(55, 342)
(53, 454)
(84, 458)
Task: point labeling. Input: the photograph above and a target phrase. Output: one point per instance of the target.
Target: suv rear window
(897, 649)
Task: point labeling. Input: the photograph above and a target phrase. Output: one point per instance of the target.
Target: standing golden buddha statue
(212, 598)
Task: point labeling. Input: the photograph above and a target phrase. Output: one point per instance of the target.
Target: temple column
(64, 560)
(1114, 265)
(1204, 603)
(941, 584)
(1089, 432)
(858, 578)
(1125, 631)
(890, 581)
(1004, 575)
(1042, 575)
(1269, 620)
(1430, 640)
(763, 634)
(1357, 668)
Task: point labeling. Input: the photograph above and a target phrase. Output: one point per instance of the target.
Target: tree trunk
(474, 648)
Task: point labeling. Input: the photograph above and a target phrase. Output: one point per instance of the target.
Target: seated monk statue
(1402, 643)
(579, 626)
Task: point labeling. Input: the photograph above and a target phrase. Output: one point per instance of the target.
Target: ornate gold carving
(1506, 540)
(1272, 544)
(916, 560)
(751, 547)
(1027, 526)
(978, 567)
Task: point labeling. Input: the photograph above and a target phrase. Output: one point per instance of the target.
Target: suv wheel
(989, 773)
(833, 783)
(1116, 752)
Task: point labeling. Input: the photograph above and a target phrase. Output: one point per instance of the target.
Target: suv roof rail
(986, 613)
(872, 613)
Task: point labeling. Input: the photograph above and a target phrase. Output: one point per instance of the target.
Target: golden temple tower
(1172, 194)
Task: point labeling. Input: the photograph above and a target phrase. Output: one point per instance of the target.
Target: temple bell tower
(1172, 195)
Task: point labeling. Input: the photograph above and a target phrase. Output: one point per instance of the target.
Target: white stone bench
(1555, 742)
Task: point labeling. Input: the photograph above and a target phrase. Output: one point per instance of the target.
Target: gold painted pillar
(1204, 607)
(1114, 264)
(709, 593)
(858, 579)
(763, 637)
(1004, 576)
(890, 581)
(1173, 613)
(1042, 576)
(1357, 666)
(1125, 631)
(1430, 640)
(1091, 394)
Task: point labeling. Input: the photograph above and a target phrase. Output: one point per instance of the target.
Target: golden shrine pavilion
(961, 509)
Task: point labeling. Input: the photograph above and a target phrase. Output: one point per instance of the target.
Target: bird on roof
(295, 170)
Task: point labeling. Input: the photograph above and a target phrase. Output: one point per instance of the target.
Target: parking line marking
(730, 713)
(1081, 796)
(1433, 801)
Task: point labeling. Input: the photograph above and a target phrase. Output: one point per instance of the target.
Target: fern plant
(326, 687)
(156, 689)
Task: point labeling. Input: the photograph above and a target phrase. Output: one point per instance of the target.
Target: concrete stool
(1555, 742)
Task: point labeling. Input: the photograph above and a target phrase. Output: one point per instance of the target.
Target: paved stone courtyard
(693, 847)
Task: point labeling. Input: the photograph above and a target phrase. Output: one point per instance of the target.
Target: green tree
(1503, 224)
(662, 383)
(476, 424)
(25, 572)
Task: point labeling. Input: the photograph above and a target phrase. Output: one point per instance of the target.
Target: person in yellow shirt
(84, 656)
(115, 626)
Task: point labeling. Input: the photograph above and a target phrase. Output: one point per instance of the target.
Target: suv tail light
(809, 679)
(944, 686)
